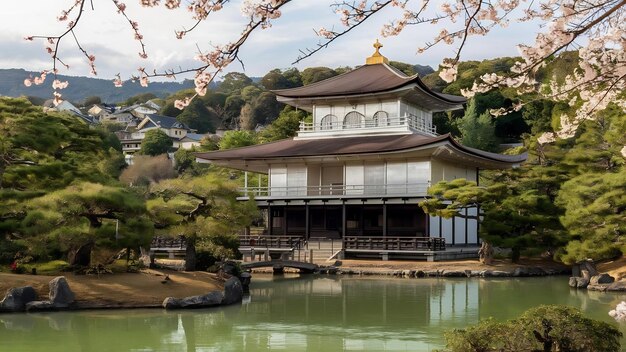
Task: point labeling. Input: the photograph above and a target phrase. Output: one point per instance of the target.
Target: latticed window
(353, 119)
(380, 118)
(328, 122)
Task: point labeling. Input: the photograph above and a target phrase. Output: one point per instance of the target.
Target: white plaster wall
(354, 178)
(459, 230)
(472, 226)
(296, 180)
(278, 180)
(446, 229)
(434, 226)
(442, 170)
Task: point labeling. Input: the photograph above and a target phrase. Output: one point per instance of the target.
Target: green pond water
(305, 313)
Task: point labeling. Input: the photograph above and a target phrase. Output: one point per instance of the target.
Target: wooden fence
(394, 243)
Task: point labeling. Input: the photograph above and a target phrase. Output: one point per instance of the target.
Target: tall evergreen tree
(477, 130)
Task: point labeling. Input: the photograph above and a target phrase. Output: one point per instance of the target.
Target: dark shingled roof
(363, 80)
(290, 148)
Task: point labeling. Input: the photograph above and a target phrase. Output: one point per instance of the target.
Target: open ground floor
(365, 228)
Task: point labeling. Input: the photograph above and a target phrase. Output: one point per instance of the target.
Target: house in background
(359, 170)
(182, 136)
(66, 106)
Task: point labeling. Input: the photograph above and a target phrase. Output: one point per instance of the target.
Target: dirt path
(145, 289)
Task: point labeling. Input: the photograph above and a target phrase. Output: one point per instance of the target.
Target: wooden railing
(419, 188)
(169, 242)
(295, 242)
(394, 243)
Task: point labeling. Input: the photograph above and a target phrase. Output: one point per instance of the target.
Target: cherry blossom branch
(121, 9)
(361, 16)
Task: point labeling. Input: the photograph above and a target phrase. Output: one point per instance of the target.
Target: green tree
(250, 93)
(544, 328)
(74, 220)
(139, 99)
(277, 79)
(42, 153)
(233, 82)
(232, 110)
(155, 142)
(205, 210)
(478, 131)
(593, 199)
(266, 108)
(285, 126)
(198, 117)
(235, 139)
(316, 74)
(518, 205)
(405, 68)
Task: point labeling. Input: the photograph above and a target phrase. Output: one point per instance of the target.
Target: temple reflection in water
(310, 313)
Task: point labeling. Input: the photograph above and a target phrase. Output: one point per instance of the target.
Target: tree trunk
(485, 253)
(515, 254)
(146, 257)
(190, 256)
(81, 256)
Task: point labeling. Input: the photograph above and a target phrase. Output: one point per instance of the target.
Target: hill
(12, 85)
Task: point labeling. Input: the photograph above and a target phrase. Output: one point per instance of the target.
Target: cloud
(107, 35)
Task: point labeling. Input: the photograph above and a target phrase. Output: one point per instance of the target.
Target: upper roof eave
(362, 81)
(302, 149)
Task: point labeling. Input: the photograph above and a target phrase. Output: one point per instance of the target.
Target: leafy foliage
(544, 328)
(478, 131)
(235, 139)
(156, 142)
(86, 213)
(285, 126)
(203, 209)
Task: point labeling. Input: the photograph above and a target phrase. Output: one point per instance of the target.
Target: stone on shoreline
(211, 299)
(617, 286)
(528, 271)
(16, 299)
(61, 296)
(578, 282)
(233, 291)
(601, 279)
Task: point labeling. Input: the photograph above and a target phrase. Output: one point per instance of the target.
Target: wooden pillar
(453, 230)
(343, 219)
(270, 222)
(245, 182)
(426, 224)
(307, 221)
(285, 220)
(384, 219)
(466, 230)
(362, 220)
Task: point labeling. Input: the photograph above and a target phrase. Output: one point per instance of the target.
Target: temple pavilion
(358, 171)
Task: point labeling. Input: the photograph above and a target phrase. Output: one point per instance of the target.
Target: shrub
(544, 328)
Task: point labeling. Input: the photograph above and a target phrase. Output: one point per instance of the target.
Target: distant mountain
(79, 88)
(423, 70)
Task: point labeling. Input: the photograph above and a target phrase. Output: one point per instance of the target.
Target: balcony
(391, 124)
(335, 191)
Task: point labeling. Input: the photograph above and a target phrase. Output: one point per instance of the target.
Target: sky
(108, 36)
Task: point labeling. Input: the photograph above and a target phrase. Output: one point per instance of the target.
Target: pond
(305, 313)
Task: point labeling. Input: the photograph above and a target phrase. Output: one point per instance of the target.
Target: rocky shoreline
(62, 298)
(531, 271)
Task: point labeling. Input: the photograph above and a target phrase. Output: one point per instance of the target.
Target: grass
(47, 268)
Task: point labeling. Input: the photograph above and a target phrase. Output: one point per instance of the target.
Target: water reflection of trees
(327, 313)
